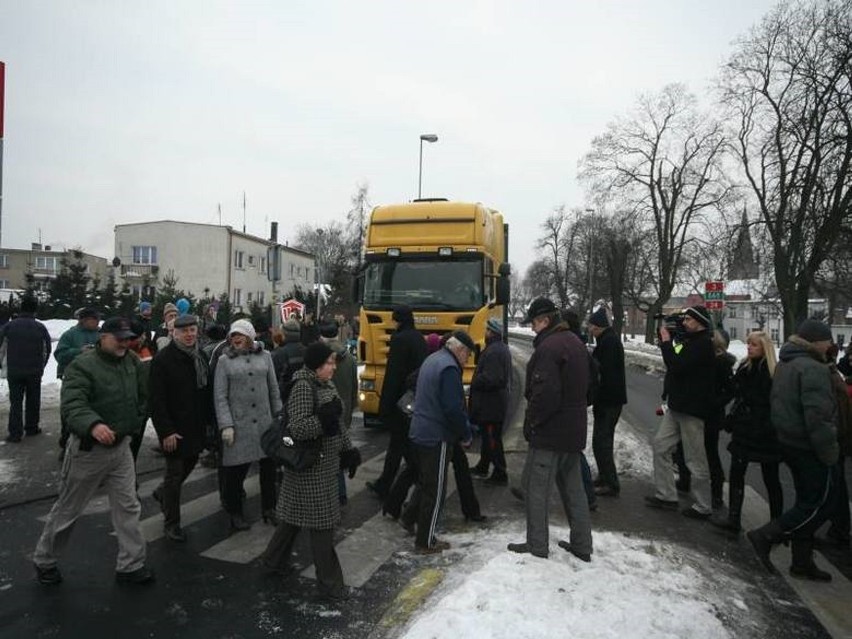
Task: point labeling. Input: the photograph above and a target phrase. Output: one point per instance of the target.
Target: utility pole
(244, 211)
(2, 103)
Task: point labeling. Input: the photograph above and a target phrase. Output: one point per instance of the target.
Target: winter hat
(465, 339)
(243, 327)
(329, 330)
(292, 327)
(186, 320)
(169, 308)
(84, 313)
(144, 306)
(433, 342)
(599, 318)
(403, 314)
(182, 306)
(494, 325)
(699, 314)
(316, 354)
(814, 331)
(539, 306)
(29, 305)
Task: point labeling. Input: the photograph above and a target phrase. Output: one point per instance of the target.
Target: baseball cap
(119, 327)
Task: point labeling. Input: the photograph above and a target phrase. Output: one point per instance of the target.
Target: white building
(208, 260)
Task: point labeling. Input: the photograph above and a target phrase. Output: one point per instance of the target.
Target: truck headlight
(368, 385)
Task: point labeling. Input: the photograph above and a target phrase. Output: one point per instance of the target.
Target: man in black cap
(181, 407)
(690, 387)
(439, 423)
(557, 380)
(27, 345)
(804, 415)
(406, 351)
(104, 403)
(611, 395)
(78, 338)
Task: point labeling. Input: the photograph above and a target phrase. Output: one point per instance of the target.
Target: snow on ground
(659, 588)
(50, 386)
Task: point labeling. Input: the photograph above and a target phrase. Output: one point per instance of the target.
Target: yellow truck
(445, 260)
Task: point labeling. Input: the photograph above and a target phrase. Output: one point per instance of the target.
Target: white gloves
(228, 436)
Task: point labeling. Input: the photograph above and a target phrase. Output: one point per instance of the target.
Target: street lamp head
(429, 137)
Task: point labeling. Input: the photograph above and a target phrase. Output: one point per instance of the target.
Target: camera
(672, 323)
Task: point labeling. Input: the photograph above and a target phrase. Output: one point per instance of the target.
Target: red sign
(714, 286)
(2, 94)
(714, 305)
(290, 308)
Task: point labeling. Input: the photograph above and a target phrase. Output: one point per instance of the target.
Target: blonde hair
(720, 344)
(768, 350)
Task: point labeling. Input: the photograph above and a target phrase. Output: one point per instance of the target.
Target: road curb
(407, 602)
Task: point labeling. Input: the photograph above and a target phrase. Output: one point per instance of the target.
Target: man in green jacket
(804, 414)
(74, 341)
(104, 403)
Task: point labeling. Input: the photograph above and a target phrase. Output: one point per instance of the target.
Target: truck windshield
(429, 284)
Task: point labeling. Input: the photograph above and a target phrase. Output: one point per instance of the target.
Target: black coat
(27, 346)
(690, 374)
(176, 404)
(724, 388)
(752, 434)
(609, 354)
(406, 353)
(489, 388)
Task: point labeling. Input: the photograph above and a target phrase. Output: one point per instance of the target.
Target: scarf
(201, 364)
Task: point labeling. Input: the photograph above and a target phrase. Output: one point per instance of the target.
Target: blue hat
(494, 325)
(182, 306)
(144, 306)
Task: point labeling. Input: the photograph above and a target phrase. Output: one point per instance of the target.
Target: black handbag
(278, 444)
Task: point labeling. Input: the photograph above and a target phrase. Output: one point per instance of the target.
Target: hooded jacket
(691, 374)
(804, 409)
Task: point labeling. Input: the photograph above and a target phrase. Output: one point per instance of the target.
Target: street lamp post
(426, 137)
(591, 262)
(319, 275)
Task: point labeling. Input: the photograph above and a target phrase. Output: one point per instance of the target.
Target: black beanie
(316, 354)
(599, 318)
(814, 331)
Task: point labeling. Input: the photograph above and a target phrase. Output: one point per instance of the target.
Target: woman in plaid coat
(309, 498)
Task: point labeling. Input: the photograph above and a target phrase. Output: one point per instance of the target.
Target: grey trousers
(676, 427)
(82, 473)
(541, 470)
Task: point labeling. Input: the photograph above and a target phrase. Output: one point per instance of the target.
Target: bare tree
(663, 163)
(555, 251)
(788, 91)
(329, 247)
(356, 224)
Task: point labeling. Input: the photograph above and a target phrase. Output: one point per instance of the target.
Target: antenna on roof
(244, 211)
(219, 206)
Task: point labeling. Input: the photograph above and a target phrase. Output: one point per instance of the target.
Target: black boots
(762, 539)
(803, 565)
(731, 523)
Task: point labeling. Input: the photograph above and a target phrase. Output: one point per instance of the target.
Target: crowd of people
(208, 387)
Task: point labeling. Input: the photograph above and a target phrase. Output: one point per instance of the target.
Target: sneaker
(692, 513)
(663, 504)
(524, 548)
(49, 576)
(175, 533)
(140, 576)
(579, 555)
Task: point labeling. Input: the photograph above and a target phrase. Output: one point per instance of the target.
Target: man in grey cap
(489, 401)
(104, 403)
(804, 414)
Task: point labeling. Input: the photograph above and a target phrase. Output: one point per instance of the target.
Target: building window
(238, 297)
(4, 283)
(144, 254)
(260, 298)
(4, 261)
(263, 265)
(248, 298)
(251, 261)
(732, 312)
(238, 259)
(46, 264)
(773, 334)
(733, 332)
(292, 268)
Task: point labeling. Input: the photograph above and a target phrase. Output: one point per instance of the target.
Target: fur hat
(243, 327)
(814, 331)
(316, 354)
(599, 318)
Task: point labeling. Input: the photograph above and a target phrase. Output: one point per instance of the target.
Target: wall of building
(44, 264)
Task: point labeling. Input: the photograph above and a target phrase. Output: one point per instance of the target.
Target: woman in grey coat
(309, 498)
(246, 398)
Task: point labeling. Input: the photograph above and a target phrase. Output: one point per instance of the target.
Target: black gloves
(329, 416)
(350, 460)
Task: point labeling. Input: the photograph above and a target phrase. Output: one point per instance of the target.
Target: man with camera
(689, 386)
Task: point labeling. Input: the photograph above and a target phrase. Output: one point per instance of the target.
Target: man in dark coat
(690, 386)
(610, 397)
(557, 378)
(181, 409)
(406, 351)
(804, 414)
(27, 344)
(289, 357)
(489, 401)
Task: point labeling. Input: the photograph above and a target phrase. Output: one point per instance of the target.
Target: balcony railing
(141, 271)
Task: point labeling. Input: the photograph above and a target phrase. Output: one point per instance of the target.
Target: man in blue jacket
(439, 421)
(28, 348)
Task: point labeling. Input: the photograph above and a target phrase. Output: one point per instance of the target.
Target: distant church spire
(742, 265)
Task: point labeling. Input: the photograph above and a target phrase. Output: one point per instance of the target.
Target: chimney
(35, 246)
(273, 232)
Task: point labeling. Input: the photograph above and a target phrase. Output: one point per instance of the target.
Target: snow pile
(633, 588)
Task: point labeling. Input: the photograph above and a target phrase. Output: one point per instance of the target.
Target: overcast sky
(124, 112)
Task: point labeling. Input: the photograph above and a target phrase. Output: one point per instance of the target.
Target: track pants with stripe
(432, 464)
(815, 494)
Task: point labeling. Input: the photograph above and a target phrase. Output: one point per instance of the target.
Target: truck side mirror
(358, 287)
(503, 287)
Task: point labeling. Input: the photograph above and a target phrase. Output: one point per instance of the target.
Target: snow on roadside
(659, 588)
(50, 386)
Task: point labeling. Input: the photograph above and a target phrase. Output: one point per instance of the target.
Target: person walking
(557, 380)
(406, 351)
(246, 397)
(611, 395)
(690, 391)
(77, 339)
(804, 413)
(28, 347)
(838, 530)
(753, 437)
(309, 498)
(181, 408)
(288, 357)
(104, 402)
(489, 401)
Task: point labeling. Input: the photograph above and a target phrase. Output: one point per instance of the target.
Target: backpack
(278, 444)
(594, 380)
